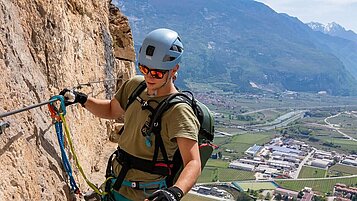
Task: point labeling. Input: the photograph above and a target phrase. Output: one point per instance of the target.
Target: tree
(301, 194)
(278, 197)
(242, 196)
(319, 198)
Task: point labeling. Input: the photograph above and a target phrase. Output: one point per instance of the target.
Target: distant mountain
(334, 29)
(245, 46)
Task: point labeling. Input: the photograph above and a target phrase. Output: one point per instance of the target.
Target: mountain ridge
(333, 29)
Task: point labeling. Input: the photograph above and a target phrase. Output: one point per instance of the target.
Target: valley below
(308, 122)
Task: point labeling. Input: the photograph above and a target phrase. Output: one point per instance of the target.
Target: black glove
(167, 194)
(71, 97)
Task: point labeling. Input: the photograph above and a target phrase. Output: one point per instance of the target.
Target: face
(156, 78)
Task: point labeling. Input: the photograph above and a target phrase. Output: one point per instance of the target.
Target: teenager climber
(158, 61)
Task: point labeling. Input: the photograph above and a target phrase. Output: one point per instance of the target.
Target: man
(158, 61)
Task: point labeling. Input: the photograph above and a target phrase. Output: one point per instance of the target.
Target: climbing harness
(58, 116)
(170, 169)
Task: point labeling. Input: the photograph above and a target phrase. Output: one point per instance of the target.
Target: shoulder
(134, 82)
(130, 85)
(182, 121)
(128, 88)
(182, 111)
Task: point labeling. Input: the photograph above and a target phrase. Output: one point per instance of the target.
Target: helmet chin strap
(166, 81)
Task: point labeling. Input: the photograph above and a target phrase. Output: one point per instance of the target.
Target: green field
(311, 172)
(320, 185)
(240, 143)
(210, 174)
(256, 185)
(344, 169)
(217, 163)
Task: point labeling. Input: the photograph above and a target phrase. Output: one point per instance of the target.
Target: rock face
(45, 47)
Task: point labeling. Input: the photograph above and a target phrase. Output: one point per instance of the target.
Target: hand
(71, 97)
(167, 194)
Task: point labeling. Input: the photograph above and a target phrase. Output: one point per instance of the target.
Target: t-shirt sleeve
(126, 89)
(181, 122)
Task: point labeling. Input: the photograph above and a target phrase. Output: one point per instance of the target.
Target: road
(337, 127)
(281, 121)
(302, 163)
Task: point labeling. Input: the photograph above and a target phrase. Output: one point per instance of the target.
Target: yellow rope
(68, 136)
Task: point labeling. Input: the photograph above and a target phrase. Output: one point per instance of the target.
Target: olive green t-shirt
(177, 121)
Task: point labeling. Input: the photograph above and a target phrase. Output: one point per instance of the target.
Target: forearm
(101, 108)
(189, 175)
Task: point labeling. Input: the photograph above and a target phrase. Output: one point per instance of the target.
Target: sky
(343, 12)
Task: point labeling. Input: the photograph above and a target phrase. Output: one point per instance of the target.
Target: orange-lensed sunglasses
(155, 73)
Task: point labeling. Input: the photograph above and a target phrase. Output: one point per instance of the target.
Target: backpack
(170, 169)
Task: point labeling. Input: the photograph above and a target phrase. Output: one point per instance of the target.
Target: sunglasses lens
(143, 69)
(157, 74)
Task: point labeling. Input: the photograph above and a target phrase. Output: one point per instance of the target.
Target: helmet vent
(150, 50)
(168, 58)
(176, 48)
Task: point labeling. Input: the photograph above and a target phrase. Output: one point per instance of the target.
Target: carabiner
(55, 111)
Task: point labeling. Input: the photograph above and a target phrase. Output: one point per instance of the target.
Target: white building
(241, 166)
(252, 151)
(320, 163)
(349, 162)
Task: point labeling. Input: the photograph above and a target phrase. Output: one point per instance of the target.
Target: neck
(164, 90)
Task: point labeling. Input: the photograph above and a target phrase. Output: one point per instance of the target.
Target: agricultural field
(212, 174)
(256, 185)
(312, 172)
(321, 185)
(344, 169)
(238, 144)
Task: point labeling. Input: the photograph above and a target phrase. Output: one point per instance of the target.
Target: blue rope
(65, 161)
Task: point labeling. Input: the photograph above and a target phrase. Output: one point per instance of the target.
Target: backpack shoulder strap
(155, 122)
(140, 88)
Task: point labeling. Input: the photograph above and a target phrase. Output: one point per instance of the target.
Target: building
(307, 196)
(266, 169)
(286, 192)
(253, 150)
(349, 162)
(285, 150)
(322, 154)
(320, 163)
(204, 190)
(281, 165)
(241, 166)
(251, 162)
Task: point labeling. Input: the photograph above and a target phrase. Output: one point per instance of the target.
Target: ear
(175, 69)
(173, 72)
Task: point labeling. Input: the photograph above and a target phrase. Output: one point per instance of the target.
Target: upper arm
(116, 110)
(189, 150)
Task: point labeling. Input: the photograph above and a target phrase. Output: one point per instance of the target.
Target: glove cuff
(82, 98)
(177, 192)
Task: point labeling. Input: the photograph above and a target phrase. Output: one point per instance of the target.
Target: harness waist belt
(128, 161)
(158, 167)
(140, 185)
